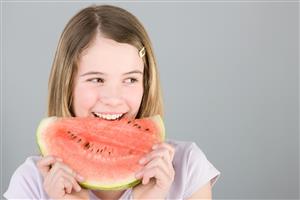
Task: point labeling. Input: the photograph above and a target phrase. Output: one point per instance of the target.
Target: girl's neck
(108, 195)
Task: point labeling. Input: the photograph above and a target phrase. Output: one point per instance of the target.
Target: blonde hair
(114, 23)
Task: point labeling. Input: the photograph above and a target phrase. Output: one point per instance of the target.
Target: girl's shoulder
(26, 181)
(192, 169)
(30, 163)
(29, 167)
(186, 149)
(181, 145)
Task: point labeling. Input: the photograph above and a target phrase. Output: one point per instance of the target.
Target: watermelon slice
(106, 153)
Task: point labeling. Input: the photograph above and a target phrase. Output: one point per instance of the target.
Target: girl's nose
(111, 101)
(111, 96)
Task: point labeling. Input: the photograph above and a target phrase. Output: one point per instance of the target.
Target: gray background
(229, 72)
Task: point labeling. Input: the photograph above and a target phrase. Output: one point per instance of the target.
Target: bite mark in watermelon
(106, 153)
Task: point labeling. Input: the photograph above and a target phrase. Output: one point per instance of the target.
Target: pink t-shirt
(192, 170)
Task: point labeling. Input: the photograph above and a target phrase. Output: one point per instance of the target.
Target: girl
(105, 67)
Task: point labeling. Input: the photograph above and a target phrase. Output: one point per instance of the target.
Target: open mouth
(108, 116)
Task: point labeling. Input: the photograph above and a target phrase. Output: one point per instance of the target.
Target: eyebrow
(133, 72)
(92, 73)
(101, 73)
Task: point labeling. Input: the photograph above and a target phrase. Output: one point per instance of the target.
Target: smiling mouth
(108, 116)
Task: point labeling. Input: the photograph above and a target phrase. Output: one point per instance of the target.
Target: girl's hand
(59, 179)
(157, 174)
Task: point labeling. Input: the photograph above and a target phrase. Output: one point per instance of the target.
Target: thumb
(44, 165)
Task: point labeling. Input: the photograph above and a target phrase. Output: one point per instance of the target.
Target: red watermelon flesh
(105, 153)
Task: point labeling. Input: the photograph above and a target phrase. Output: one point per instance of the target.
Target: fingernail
(142, 160)
(81, 178)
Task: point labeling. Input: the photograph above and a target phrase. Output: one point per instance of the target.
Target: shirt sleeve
(199, 171)
(24, 183)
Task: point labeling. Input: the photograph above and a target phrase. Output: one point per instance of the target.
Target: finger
(61, 166)
(65, 167)
(156, 172)
(79, 178)
(167, 146)
(163, 153)
(60, 169)
(171, 151)
(57, 184)
(68, 185)
(61, 175)
(157, 163)
(47, 160)
(45, 163)
(56, 171)
(74, 183)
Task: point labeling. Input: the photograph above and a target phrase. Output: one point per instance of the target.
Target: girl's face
(109, 82)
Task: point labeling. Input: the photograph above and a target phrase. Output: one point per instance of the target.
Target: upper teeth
(107, 116)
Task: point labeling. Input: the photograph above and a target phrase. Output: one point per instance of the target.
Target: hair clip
(142, 52)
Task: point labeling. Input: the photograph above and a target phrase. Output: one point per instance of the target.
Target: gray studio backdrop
(229, 73)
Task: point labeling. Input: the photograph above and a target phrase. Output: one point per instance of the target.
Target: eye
(96, 80)
(130, 80)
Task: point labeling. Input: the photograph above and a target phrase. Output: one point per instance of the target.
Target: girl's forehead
(107, 54)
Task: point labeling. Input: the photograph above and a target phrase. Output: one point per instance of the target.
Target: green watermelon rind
(43, 124)
(159, 122)
(119, 186)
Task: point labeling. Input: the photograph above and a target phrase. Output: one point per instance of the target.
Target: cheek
(134, 97)
(84, 100)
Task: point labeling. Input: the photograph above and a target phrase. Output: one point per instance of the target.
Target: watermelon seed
(87, 145)
(79, 140)
(129, 122)
(97, 150)
(101, 150)
(147, 129)
(139, 127)
(109, 152)
(135, 125)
